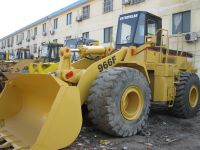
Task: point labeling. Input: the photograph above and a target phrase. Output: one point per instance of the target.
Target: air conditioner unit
(132, 2)
(191, 37)
(79, 18)
(126, 2)
(44, 33)
(33, 37)
(52, 32)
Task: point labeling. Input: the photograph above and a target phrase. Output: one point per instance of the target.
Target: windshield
(126, 28)
(23, 54)
(27, 54)
(71, 43)
(44, 51)
(54, 53)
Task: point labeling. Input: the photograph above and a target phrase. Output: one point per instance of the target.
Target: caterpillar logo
(129, 17)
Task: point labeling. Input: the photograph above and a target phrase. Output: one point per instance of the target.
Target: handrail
(161, 31)
(167, 47)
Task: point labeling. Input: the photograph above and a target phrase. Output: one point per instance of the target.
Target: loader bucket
(39, 112)
(10, 75)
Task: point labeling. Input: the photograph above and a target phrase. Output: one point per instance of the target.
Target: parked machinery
(22, 61)
(9, 67)
(48, 58)
(74, 43)
(43, 111)
(3, 56)
(50, 54)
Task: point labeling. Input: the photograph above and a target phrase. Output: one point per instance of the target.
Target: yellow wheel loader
(23, 62)
(50, 54)
(74, 43)
(48, 59)
(43, 111)
(3, 56)
(9, 67)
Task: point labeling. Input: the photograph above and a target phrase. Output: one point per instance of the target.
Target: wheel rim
(193, 96)
(132, 102)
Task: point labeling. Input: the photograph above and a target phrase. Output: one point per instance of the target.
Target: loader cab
(74, 43)
(23, 53)
(133, 27)
(2, 56)
(50, 52)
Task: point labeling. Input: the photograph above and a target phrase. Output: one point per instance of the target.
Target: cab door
(153, 24)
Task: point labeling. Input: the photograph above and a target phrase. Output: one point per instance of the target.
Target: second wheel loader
(48, 58)
(50, 54)
(8, 67)
(43, 111)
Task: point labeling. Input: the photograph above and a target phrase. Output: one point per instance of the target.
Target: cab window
(151, 27)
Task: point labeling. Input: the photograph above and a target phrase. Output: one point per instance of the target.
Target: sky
(15, 14)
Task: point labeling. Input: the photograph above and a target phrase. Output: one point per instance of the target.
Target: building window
(85, 35)
(44, 27)
(86, 12)
(8, 42)
(55, 22)
(17, 39)
(22, 36)
(35, 48)
(1, 45)
(108, 34)
(28, 34)
(69, 18)
(108, 6)
(181, 22)
(12, 43)
(35, 31)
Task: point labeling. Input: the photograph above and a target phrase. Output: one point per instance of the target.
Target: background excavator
(43, 111)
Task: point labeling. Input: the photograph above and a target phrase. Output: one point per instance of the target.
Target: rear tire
(187, 100)
(119, 101)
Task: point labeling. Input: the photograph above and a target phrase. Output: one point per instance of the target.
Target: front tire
(119, 101)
